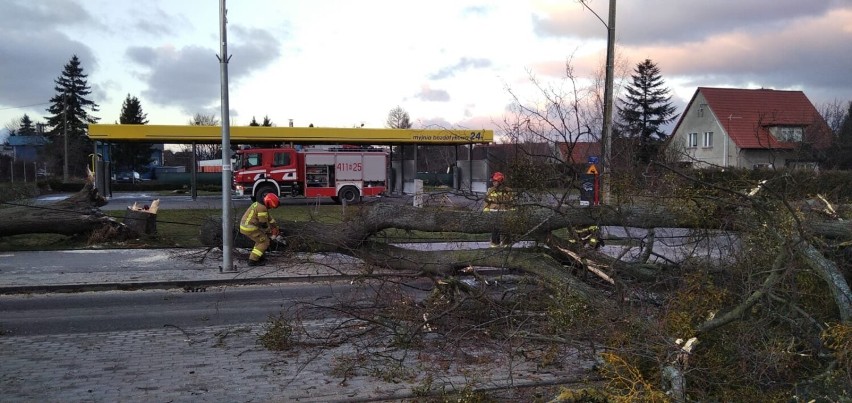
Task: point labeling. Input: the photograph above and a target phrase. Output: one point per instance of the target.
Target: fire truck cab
(344, 174)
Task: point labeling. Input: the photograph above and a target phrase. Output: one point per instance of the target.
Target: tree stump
(142, 221)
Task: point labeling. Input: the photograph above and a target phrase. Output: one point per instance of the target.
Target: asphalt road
(42, 314)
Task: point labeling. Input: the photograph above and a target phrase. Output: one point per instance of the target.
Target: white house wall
(694, 122)
(759, 158)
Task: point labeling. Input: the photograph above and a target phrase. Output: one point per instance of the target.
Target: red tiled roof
(747, 114)
(581, 152)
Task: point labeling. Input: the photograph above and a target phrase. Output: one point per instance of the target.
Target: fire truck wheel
(349, 195)
(263, 191)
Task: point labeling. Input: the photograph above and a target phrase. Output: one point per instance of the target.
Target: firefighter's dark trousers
(498, 237)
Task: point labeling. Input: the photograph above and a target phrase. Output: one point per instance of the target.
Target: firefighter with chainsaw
(259, 226)
(498, 198)
(588, 237)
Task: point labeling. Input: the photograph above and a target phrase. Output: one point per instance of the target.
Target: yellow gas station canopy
(301, 135)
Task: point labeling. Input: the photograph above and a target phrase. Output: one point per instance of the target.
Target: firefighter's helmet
(270, 200)
(498, 176)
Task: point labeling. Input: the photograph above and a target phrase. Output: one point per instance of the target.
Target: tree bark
(142, 222)
(77, 214)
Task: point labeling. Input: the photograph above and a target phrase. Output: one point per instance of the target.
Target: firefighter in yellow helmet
(498, 197)
(258, 225)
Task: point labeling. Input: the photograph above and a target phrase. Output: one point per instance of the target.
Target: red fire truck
(344, 174)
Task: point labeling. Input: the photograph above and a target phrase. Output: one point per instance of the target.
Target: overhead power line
(24, 106)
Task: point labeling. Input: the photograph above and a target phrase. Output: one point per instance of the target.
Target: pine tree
(843, 148)
(131, 112)
(27, 128)
(253, 122)
(646, 107)
(70, 117)
(131, 156)
(266, 121)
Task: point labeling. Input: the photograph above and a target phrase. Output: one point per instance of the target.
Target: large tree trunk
(77, 214)
(355, 238)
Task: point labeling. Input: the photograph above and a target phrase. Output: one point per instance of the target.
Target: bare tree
(398, 119)
(13, 125)
(200, 119)
(204, 151)
(834, 112)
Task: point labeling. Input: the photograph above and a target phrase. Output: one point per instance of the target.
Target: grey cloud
(428, 94)
(462, 65)
(143, 56)
(775, 44)
(254, 49)
(35, 53)
(40, 15)
(816, 60)
(154, 27)
(663, 21)
(189, 77)
(150, 19)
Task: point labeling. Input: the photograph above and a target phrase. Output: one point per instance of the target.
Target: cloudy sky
(343, 63)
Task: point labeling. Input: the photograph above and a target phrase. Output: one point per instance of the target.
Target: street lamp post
(227, 221)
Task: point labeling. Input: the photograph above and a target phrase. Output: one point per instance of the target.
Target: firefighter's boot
(255, 263)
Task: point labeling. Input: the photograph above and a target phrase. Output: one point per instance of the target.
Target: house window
(701, 108)
(708, 139)
(692, 141)
(788, 133)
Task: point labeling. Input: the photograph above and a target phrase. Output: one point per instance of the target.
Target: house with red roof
(578, 153)
(750, 128)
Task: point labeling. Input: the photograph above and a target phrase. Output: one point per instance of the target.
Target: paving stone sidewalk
(227, 364)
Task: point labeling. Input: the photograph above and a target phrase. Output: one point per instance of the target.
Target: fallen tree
(357, 237)
(801, 239)
(78, 214)
(800, 236)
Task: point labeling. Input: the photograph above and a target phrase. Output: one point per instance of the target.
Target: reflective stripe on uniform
(249, 217)
(255, 218)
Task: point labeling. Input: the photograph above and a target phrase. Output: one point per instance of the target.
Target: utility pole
(606, 134)
(65, 135)
(227, 219)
